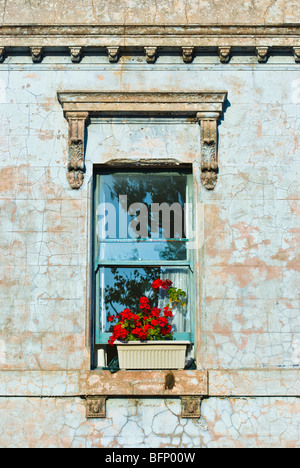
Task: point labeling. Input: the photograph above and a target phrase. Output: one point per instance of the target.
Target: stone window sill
(144, 383)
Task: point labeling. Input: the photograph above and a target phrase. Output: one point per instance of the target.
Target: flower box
(152, 354)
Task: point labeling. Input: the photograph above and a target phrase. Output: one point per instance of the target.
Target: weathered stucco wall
(250, 259)
(234, 423)
(249, 284)
(145, 12)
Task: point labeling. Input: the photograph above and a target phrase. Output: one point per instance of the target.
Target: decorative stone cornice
(151, 54)
(175, 35)
(37, 54)
(224, 54)
(205, 107)
(184, 38)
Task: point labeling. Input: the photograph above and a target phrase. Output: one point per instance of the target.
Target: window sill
(144, 383)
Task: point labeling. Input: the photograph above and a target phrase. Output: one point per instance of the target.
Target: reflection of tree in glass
(174, 251)
(134, 254)
(128, 286)
(148, 188)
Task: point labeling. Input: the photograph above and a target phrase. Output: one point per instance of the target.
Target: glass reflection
(122, 288)
(143, 250)
(142, 205)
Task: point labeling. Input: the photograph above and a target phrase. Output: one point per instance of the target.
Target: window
(143, 231)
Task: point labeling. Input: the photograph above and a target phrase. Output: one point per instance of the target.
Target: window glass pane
(142, 206)
(122, 288)
(143, 250)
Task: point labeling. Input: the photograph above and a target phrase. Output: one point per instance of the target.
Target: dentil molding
(116, 39)
(205, 107)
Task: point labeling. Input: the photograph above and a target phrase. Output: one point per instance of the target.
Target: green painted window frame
(101, 338)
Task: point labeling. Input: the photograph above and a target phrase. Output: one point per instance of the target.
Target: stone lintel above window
(207, 107)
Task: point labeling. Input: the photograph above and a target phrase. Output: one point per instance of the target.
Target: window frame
(100, 338)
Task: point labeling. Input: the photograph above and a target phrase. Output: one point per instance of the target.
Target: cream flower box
(152, 354)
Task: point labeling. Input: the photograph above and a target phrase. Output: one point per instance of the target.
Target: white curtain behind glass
(179, 278)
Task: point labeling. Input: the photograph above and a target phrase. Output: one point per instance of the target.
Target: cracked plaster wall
(250, 280)
(149, 12)
(235, 423)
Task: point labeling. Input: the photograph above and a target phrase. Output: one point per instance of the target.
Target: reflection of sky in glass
(147, 188)
(146, 251)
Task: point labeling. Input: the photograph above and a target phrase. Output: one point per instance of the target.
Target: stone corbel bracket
(297, 54)
(76, 54)
(224, 54)
(151, 54)
(204, 107)
(113, 54)
(2, 54)
(188, 54)
(76, 165)
(209, 148)
(96, 407)
(191, 407)
(262, 54)
(37, 54)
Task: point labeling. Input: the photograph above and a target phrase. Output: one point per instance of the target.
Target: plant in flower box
(144, 336)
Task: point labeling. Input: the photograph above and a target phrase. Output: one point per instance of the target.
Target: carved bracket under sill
(96, 407)
(206, 107)
(191, 407)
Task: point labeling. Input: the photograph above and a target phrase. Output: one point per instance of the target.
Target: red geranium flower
(144, 303)
(155, 312)
(157, 284)
(146, 322)
(168, 312)
(167, 284)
